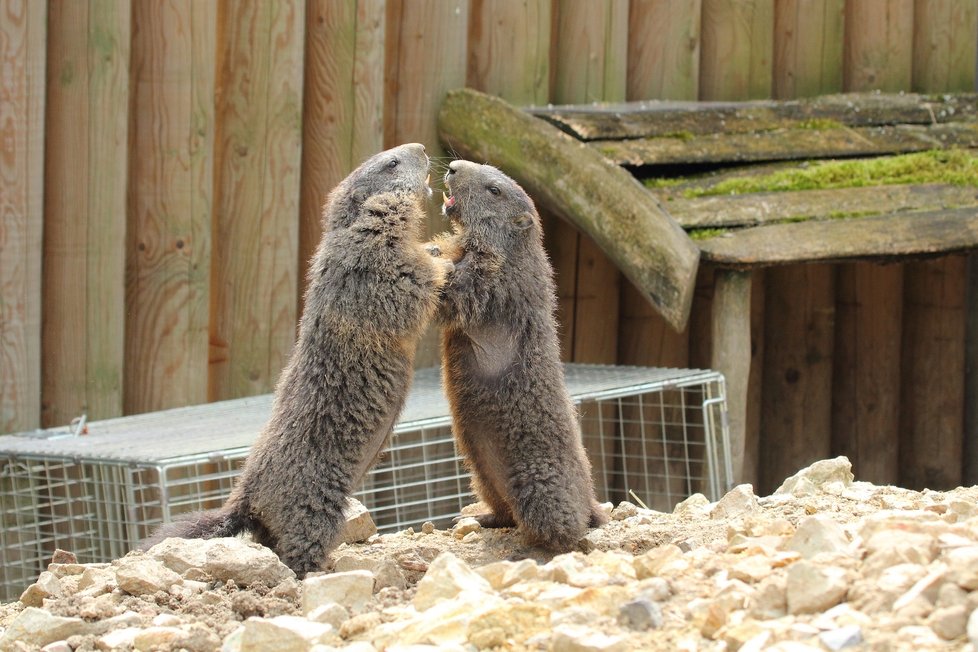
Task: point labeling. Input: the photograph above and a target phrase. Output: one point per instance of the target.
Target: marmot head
(401, 169)
(488, 206)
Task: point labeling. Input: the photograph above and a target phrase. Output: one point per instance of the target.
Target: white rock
(447, 576)
(818, 534)
(578, 638)
(465, 525)
(57, 646)
(657, 561)
(694, 506)
(118, 639)
(386, 571)
(285, 634)
(963, 567)
(244, 563)
(37, 627)
(737, 501)
(167, 620)
(831, 476)
(445, 623)
(812, 588)
(359, 525)
(640, 615)
(770, 600)
(350, 589)
(155, 638)
(949, 622)
(841, 638)
(95, 582)
(972, 629)
(144, 576)
(47, 586)
(624, 510)
(329, 613)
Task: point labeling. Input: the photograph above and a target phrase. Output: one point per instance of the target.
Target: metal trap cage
(653, 435)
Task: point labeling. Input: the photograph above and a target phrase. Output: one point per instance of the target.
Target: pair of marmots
(373, 287)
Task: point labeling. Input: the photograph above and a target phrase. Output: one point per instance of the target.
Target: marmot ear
(523, 221)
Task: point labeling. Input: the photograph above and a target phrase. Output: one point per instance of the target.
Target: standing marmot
(372, 290)
(513, 417)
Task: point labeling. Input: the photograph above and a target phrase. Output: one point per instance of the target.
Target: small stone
(144, 576)
(770, 601)
(37, 627)
(694, 506)
(812, 588)
(972, 629)
(350, 589)
(447, 576)
(57, 646)
(818, 534)
(624, 510)
(63, 557)
(640, 615)
(950, 595)
(738, 636)
(465, 525)
(949, 622)
(47, 586)
(155, 638)
(737, 501)
(606, 509)
(963, 567)
(96, 581)
(656, 560)
(359, 525)
(521, 571)
(359, 624)
(886, 548)
(285, 634)
(573, 569)
(510, 622)
(752, 568)
(329, 613)
(830, 476)
(118, 639)
(472, 537)
(167, 620)
(578, 638)
(656, 589)
(386, 571)
(841, 638)
(427, 527)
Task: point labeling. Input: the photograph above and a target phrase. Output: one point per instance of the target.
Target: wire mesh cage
(653, 435)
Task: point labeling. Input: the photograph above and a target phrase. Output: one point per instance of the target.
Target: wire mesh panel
(654, 436)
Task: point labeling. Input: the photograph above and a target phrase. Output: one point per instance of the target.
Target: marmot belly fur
(372, 290)
(512, 415)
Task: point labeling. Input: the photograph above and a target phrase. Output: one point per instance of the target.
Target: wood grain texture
(509, 49)
(23, 27)
(737, 50)
(945, 45)
(663, 49)
(257, 168)
(343, 105)
(171, 205)
(425, 57)
(86, 159)
(798, 352)
(876, 53)
(808, 47)
(731, 337)
(969, 472)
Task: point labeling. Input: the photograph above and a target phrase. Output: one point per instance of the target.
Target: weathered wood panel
(23, 26)
(257, 169)
(932, 398)
(737, 49)
(808, 46)
(663, 49)
(426, 48)
(509, 49)
(731, 339)
(342, 105)
(85, 172)
(171, 205)
(878, 33)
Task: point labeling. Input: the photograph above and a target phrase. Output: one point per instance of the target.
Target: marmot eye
(393, 163)
(494, 190)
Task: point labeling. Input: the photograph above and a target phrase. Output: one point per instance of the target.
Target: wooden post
(933, 400)
(732, 353)
(870, 303)
(343, 105)
(23, 26)
(425, 58)
(85, 210)
(257, 165)
(969, 472)
(171, 205)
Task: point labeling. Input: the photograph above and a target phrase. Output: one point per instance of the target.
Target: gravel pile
(825, 563)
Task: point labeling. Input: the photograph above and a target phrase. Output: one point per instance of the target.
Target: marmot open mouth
(447, 200)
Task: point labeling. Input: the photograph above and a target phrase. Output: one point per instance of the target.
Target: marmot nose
(453, 167)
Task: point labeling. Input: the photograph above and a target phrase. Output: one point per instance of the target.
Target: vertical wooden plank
(23, 27)
(257, 168)
(737, 49)
(866, 385)
(969, 472)
(878, 36)
(425, 57)
(509, 49)
(932, 398)
(732, 354)
(750, 471)
(808, 47)
(663, 49)
(85, 210)
(171, 204)
(343, 105)
(798, 328)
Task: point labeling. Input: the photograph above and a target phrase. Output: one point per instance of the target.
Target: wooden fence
(164, 164)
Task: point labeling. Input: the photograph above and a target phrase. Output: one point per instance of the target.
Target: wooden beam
(731, 335)
(23, 28)
(573, 180)
(766, 207)
(171, 205)
(85, 176)
(886, 237)
(257, 169)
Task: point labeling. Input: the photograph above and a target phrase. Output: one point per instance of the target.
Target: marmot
(372, 290)
(512, 415)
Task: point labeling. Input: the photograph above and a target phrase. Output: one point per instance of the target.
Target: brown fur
(372, 290)
(513, 417)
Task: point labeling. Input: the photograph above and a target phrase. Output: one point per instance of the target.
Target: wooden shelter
(849, 177)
